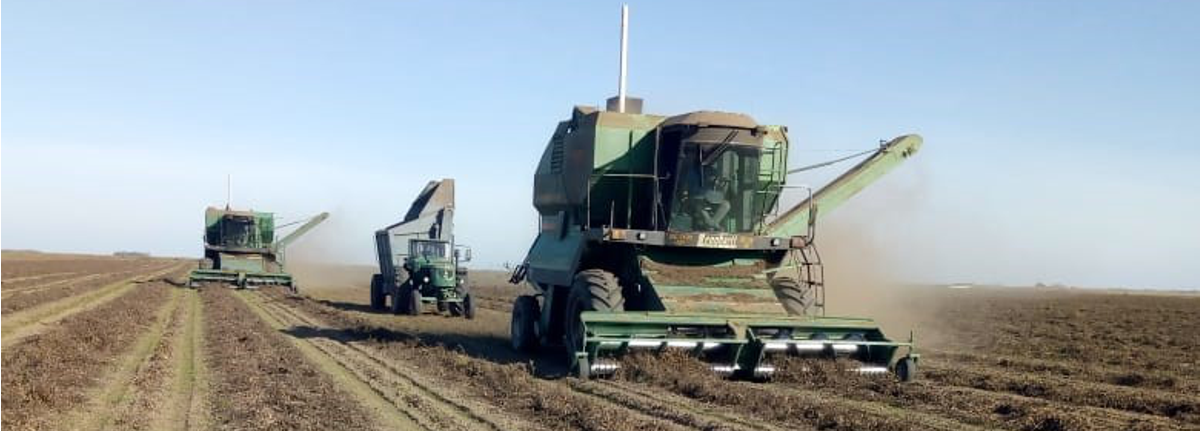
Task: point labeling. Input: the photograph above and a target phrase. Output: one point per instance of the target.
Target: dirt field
(117, 344)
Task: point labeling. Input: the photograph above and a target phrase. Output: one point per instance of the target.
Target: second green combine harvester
(240, 249)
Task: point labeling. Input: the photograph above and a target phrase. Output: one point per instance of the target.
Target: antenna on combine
(624, 58)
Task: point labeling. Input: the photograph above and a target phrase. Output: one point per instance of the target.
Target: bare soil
(992, 358)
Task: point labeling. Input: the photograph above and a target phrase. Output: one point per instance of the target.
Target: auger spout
(795, 220)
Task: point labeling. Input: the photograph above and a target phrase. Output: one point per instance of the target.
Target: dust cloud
(871, 256)
(319, 260)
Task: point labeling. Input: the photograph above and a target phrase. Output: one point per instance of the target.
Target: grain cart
(419, 264)
(240, 249)
(664, 232)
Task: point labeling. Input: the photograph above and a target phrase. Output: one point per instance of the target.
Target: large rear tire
(593, 290)
(523, 331)
(796, 298)
(378, 297)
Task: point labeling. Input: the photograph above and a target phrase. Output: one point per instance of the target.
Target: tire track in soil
(574, 399)
(261, 381)
(191, 387)
(17, 326)
(400, 386)
(53, 373)
(134, 389)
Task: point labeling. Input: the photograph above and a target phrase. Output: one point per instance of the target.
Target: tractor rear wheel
(377, 295)
(795, 297)
(523, 332)
(593, 290)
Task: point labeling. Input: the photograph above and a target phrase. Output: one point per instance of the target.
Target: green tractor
(419, 265)
(663, 233)
(240, 249)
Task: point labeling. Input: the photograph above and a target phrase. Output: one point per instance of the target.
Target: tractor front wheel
(399, 304)
(593, 290)
(906, 369)
(413, 295)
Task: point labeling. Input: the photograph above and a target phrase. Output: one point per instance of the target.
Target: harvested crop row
(1134, 378)
(684, 375)
(33, 296)
(511, 387)
(1183, 407)
(261, 382)
(967, 405)
(49, 374)
(397, 391)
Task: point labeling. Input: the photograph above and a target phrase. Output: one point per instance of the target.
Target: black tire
(796, 298)
(593, 290)
(415, 307)
(468, 305)
(455, 308)
(523, 330)
(399, 304)
(378, 296)
(906, 370)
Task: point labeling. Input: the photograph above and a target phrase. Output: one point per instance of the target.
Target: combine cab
(662, 232)
(419, 265)
(240, 249)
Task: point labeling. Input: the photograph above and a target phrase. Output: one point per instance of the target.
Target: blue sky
(1060, 136)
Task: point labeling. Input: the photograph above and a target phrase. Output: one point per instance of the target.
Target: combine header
(240, 249)
(664, 232)
(419, 263)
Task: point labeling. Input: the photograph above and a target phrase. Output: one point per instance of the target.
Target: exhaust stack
(622, 102)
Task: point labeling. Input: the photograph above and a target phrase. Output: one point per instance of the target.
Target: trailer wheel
(523, 332)
(377, 295)
(906, 370)
(593, 290)
(795, 297)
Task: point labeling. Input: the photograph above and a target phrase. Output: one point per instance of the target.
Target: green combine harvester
(665, 233)
(420, 266)
(240, 249)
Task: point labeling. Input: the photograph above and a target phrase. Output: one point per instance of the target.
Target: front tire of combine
(795, 297)
(593, 290)
(523, 332)
(906, 370)
(378, 297)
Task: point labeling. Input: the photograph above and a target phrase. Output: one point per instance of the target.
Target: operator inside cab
(707, 200)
